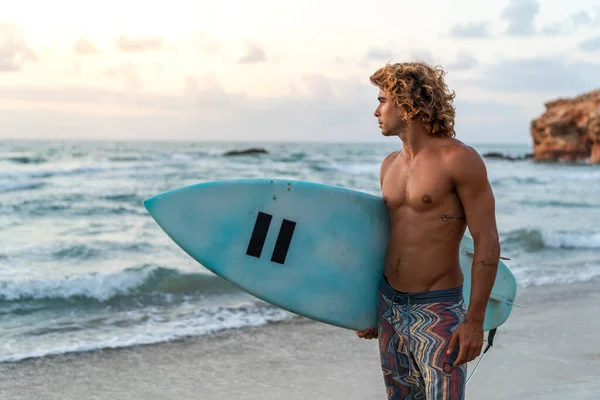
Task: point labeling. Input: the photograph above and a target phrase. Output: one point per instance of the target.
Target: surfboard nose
(169, 198)
(150, 203)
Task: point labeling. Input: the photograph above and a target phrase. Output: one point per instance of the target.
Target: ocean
(83, 266)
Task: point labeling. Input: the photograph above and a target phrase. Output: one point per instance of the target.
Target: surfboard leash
(490, 343)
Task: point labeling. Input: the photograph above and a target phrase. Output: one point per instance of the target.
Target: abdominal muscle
(423, 252)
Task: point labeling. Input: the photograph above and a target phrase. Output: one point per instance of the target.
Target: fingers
(468, 352)
(367, 333)
(471, 354)
(475, 352)
(452, 344)
(461, 355)
(470, 344)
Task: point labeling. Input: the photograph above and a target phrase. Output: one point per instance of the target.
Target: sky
(272, 70)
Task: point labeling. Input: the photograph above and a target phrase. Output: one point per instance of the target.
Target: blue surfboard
(313, 249)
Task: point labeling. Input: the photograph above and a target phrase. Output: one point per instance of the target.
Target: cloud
(375, 54)
(555, 28)
(591, 44)
(208, 112)
(128, 74)
(464, 61)
(206, 45)
(423, 56)
(159, 66)
(577, 20)
(553, 75)
(254, 54)
(193, 85)
(317, 86)
(378, 54)
(190, 85)
(84, 47)
(470, 30)
(129, 45)
(581, 17)
(320, 109)
(14, 52)
(520, 15)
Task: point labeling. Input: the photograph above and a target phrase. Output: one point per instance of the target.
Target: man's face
(388, 116)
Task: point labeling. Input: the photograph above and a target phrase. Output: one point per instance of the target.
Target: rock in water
(246, 151)
(501, 156)
(569, 130)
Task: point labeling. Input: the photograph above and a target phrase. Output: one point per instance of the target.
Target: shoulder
(385, 164)
(388, 160)
(463, 162)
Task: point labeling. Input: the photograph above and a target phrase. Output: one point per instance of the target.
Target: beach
(549, 350)
(96, 302)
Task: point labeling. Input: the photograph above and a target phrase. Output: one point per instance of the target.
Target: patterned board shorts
(414, 333)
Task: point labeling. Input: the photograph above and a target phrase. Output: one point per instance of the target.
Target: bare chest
(420, 189)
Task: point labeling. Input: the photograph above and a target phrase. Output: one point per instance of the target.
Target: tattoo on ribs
(446, 217)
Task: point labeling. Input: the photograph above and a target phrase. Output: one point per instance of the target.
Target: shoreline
(551, 349)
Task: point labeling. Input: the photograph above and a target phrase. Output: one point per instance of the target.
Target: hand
(367, 333)
(470, 336)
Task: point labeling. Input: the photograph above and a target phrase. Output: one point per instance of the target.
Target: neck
(414, 139)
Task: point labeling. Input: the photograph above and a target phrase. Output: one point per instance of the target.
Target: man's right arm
(372, 332)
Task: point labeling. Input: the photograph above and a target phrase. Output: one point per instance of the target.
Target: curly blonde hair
(420, 92)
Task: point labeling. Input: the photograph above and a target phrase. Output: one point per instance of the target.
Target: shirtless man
(434, 188)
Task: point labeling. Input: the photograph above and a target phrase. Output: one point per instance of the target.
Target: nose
(376, 113)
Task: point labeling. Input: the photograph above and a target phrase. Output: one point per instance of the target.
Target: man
(434, 187)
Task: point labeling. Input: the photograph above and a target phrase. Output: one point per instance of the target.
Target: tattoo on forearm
(446, 217)
(484, 263)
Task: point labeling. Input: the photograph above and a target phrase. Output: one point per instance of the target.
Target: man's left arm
(474, 190)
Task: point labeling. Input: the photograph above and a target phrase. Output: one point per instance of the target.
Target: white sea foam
(529, 277)
(571, 240)
(156, 328)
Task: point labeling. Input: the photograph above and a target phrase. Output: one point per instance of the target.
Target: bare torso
(427, 220)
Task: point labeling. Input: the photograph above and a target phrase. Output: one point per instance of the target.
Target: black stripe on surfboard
(284, 239)
(259, 234)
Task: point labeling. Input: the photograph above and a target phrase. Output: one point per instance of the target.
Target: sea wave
(79, 205)
(558, 204)
(352, 169)
(531, 277)
(150, 330)
(132, 282)
(26, 160)
(17, 187)
(124, 198)
(63, 171)
(536, 240)
(85, 250)
(521, 180)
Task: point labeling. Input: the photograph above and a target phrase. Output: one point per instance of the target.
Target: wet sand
(550, 350)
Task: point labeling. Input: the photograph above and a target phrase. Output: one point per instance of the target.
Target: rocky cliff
(569, 130)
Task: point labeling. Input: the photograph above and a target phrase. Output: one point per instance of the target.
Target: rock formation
(501, 156)
(569, 130)
(246, 152)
